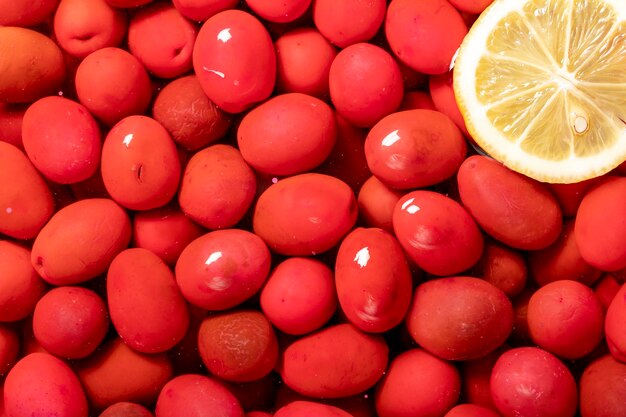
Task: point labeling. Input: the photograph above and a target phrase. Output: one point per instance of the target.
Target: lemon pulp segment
(542, 86)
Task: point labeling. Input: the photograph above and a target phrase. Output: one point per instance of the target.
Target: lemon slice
(541, 85)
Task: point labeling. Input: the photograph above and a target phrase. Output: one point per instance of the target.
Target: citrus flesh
(541, 85)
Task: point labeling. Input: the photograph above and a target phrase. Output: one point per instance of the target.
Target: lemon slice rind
(510, 152)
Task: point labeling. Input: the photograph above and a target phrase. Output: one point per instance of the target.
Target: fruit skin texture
(376, 203)
(600, 227)
(279, 12)
(9, 350)
(303, 60)
(26, 13)
(80, 241)
(302, 129)
(84, 26)
(337, 361)
(113, 84)
(20, 287)
(299, 296)
(365, 84)
(373, 280)
(22, 214)
(531, 382)
(401, 393)
(437, 233)
(503, 267)
(222, 269)
(201, 10)
(31, 65)
(443, 99)
(118, 373)
(459, 318)
(424, 35)
(602, 388)
(210, 198)
(162, 39)
(606, 289)
(165, 231)
(234, 60)
(127, 4)
(570, 195)
(151, 316)
(238, 346)
(562, 260)
(310, 408)
(126, 409)
(196, 396)
(305, 214)
(414, 149)
(614, 325)
(40, 373)
(576, 321)
(140, 166)
(348, 22)
(70, 322)
(476, 376)
(192, 120)
(62, 139)
(471, 6)
(512, 208)
(209, 329)
(471, 410)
